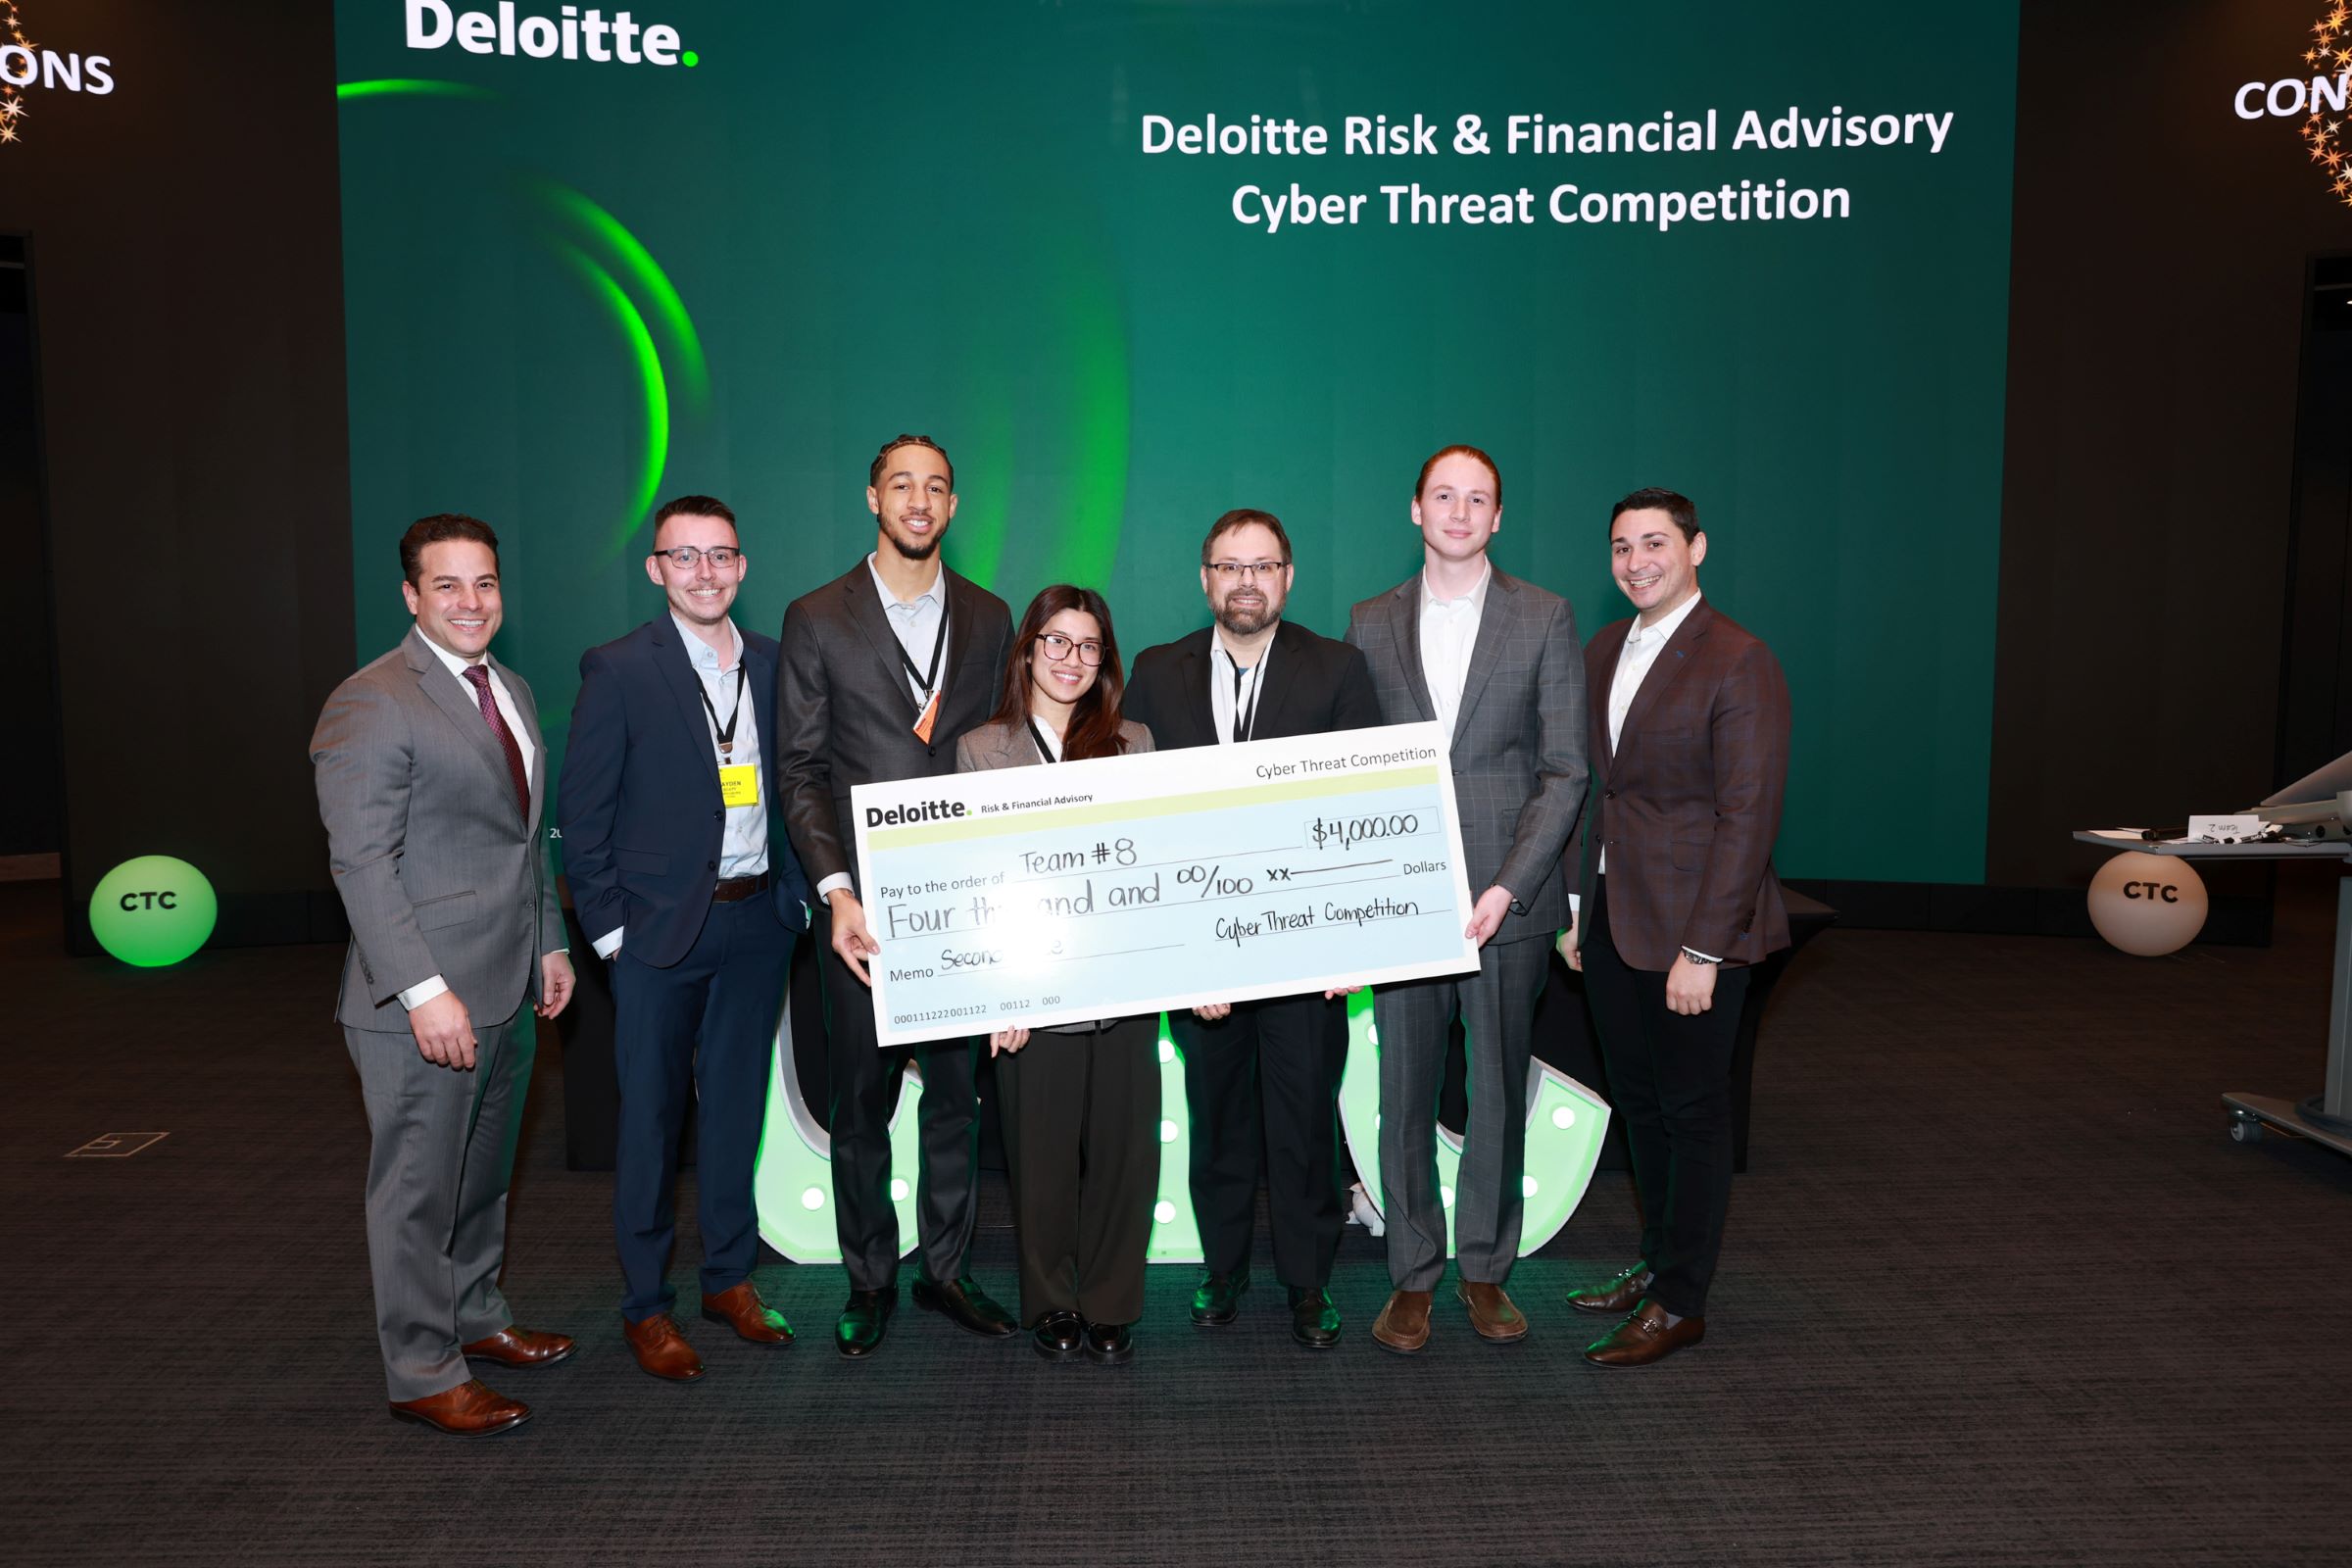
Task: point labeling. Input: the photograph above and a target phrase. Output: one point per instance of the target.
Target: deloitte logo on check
(574, 34)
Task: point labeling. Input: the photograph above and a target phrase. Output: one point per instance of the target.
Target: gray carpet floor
(1998, 1289)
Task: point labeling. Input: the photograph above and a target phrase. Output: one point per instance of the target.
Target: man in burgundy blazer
(1689, 740)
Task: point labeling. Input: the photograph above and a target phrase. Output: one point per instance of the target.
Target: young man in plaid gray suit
(1496, 661)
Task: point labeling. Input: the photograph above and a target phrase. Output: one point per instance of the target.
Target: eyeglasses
(1234, 570)
(685, 556)
(1058, 648)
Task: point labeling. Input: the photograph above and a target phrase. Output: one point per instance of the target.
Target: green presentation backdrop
(784, 232)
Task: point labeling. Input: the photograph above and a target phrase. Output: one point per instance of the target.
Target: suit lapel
(1663, 670)
(763, 674)
(1599, 695)
(1191, 676)
(526, 709)
(456, 700)
(960, 601)
(1280, 680)
(873, 622)
(675, 662)
(1502, 606)
(1405, 630)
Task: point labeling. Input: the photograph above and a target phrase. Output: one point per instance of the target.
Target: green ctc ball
(153, 911)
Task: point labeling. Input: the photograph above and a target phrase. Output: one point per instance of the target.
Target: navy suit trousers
(699, 1034)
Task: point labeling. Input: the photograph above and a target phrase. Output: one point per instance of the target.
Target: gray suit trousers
(1497, 1009)
(442, 1147)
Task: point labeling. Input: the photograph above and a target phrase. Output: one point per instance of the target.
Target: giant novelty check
(1125, 885)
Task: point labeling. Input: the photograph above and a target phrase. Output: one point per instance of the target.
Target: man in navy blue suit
(684, 879)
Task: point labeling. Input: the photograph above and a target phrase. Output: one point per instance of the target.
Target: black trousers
(865, 1090)
(695, 1037)
(1267, 1071)
(1081, 1117)
(1670, 1077)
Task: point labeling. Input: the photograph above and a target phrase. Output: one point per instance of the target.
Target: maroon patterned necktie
(479, 674)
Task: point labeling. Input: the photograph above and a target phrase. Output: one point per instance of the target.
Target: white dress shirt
(743, 848)
(1449, 636)
(425, 990)
(1642, 645)
(916, 622)
(1227, 697)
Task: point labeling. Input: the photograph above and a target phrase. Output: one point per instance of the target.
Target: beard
(1247, 618)
(922, 549)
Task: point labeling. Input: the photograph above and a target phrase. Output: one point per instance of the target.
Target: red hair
(1443, 453)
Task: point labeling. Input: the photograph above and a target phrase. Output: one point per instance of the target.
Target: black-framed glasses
(684, 557)
(1236, 571)
(1058, 648)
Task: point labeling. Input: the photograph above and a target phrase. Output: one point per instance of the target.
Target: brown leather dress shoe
(1644, 1336)
(468, 1410)
(1403, 1324)
(740, 1308)
(662, 1350)
(1619, 1294)
(521, 1346)
(1493, 1313)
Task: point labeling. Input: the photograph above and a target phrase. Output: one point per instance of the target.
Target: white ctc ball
(2148, 904)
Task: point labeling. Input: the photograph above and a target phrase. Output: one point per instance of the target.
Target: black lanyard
(726, 731)
(927, 678)
(1045, 752)
(1244, 724)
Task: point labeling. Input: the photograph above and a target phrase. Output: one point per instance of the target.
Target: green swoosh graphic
(639, 340)
(1099, 375)
(409, 86)
(634, 262)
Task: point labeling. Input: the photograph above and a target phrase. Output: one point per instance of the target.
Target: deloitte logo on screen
(573, 35)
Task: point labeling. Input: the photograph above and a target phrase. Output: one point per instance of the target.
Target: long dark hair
(1095, 719)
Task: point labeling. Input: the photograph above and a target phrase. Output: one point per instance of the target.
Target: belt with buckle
(735, 889)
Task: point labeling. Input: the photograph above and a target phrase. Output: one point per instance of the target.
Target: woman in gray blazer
(1080, 1101)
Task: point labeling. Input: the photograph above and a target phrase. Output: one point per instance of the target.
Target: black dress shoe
(862, 1319)
(965, 1304)
(1314, 1321)
(1108, 1343)
(1060, 1337)
(1619, 1294)
(1219, 1301)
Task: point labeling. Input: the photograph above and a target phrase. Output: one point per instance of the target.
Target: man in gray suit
(432, 780)
(1494, 661)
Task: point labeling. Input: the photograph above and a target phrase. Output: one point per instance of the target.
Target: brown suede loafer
(521, 1346)
(662, 1350)
(1403, 1324)
(740, 1308)
(468, 1410)
(1619, 1294)
(1493, 1313)
(1644, 1336)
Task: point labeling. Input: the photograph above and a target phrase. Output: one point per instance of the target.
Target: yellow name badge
(740, 786)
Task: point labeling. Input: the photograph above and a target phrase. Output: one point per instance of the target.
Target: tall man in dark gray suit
(880, 671)
(432, 781)
(1495, 661)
